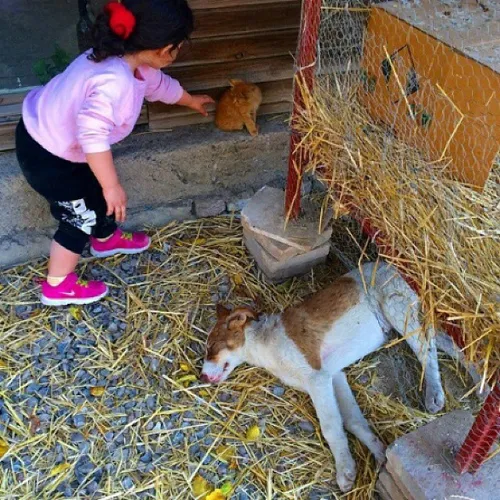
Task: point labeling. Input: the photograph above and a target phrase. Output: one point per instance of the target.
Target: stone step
(164, 174)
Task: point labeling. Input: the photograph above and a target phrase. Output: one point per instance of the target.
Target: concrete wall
(165, 175)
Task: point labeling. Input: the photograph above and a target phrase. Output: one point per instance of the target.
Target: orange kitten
(237, 108)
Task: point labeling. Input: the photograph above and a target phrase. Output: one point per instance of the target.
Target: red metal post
(484, 432)
(306, 62)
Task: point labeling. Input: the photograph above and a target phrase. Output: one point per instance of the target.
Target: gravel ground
(103, 401)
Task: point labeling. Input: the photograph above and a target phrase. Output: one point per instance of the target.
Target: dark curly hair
(159, 23)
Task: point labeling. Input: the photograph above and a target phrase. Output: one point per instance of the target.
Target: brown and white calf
(308, 345)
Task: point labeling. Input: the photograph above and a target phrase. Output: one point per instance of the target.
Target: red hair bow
(121, 20)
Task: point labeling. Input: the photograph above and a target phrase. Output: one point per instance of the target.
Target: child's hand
(199, 102)
(196, 102)
(116, 199)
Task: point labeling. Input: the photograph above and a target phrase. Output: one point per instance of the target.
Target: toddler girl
(63, 139)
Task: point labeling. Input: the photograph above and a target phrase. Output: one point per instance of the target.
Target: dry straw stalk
(445, 235)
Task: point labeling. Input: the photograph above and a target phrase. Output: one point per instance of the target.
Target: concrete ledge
(163, 173)
(420, 465)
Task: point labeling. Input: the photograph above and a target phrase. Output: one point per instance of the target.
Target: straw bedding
(104, 401)
(444, 235)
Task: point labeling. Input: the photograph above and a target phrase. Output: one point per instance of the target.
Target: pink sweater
(93, 105)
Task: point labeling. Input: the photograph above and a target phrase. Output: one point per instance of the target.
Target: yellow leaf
(204, 393)
(184, 367)
(186, 379)
(199, 241)
(3, 365)
(238, 279)
(58, 469)
(4, 447)
(216, 495)
(234, 464)
(201, 487)
(97, 391)
(76, 312)
(226, 488)
(225, 453)
(253, 433)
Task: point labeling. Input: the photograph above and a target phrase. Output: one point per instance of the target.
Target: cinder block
(422, 462)
(277, 271)
(265, 214)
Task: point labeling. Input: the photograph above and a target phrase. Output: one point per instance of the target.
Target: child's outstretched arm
(196, 102)
(163, 88)
(104, 169)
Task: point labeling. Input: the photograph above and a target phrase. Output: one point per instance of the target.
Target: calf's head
(225, 343)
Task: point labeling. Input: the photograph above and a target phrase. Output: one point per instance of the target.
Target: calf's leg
(330, 419)
(353, 418)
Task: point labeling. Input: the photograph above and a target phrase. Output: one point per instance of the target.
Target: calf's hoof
(434, 399)
(346, 475)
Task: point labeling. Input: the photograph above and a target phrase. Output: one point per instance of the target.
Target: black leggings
(74, 194)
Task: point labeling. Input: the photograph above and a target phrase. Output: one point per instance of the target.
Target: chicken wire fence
(397, 111)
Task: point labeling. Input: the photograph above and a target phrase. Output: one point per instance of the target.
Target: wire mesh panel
(401, 120)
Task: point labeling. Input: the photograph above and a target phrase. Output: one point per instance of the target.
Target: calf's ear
(240, 317)
(222, 311)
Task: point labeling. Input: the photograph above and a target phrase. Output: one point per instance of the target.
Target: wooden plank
(249, 19)
(144, 116)
(10, 112)
(236, 48)
(218, 75)
(12, 97)
(196, 119)
(272, 92)
(218, 4)
(7, 136)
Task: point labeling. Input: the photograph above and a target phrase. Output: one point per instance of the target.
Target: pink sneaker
(120, 243)
(73, 291)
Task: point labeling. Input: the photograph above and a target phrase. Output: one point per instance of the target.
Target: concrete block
(276, 249)
(383, 494)
(388, 489)
(265, 214)
(422, 462)
(209, 207)
(277, 271)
